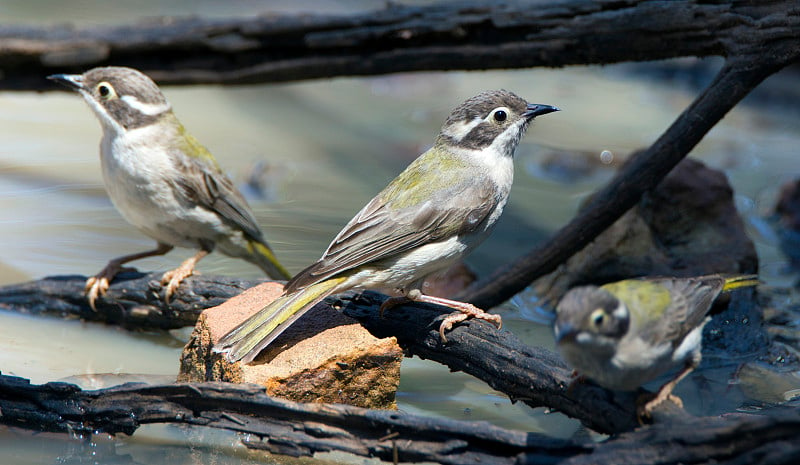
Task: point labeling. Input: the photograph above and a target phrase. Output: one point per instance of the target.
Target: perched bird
(435, 212)
(624, 334)
(163, 181)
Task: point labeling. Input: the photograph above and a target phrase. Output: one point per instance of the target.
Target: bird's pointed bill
(537, 109)
(73, 81)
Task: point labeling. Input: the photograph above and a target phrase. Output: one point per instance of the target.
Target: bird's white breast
(139, 175)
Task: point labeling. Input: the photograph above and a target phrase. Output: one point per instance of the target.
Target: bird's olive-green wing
(206, 185)
(413, 210)
(667, 309)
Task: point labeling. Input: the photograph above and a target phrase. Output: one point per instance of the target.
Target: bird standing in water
(434, 213)
(163, 181)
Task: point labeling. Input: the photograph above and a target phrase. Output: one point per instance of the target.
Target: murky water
(316, 152)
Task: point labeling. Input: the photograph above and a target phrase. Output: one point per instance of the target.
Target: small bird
(435, 212)
(624, 334)
(163, 181)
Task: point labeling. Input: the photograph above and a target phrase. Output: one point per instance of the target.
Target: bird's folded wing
(381, 229)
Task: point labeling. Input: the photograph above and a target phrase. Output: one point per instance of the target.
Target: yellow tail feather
(735, 282)
(263, 256)
(248, 339)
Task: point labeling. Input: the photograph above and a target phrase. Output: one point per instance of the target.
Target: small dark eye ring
(500, 116)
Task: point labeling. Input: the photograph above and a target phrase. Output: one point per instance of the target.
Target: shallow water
(323, 149)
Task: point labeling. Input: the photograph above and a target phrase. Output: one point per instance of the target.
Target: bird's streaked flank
(163, 181)
(434, 213)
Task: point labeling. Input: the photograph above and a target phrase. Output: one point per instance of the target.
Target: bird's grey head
(122, 98)
(590, 315)
(495, 117)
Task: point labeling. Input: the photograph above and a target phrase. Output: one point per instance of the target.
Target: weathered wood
(462, 35)
(530, 374)
(134, 300)
(286, 427)
(302, 429)
(533, 375)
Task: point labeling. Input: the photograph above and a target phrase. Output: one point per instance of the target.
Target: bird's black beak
(73, 81)
(565, 333)
(536, 109)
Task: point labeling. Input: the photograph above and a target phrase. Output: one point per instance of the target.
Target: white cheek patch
(149, 109)
(583, 338)
(511, 135)
(621, 312)
(459, 130)
(105, 119)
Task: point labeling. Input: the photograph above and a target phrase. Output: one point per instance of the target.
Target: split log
(399, 38)
(302, 429)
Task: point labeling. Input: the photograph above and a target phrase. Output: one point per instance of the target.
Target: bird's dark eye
(500, 116)
(105, 90)
(598, 317)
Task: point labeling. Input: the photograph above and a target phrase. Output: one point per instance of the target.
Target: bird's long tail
(248, 339)
(737, 281)
(262, 256)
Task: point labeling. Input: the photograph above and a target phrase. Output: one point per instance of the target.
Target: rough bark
(285, 427)
(134, 300)
(290, 428)
(462, 35)
(533, 375)
(530, 374)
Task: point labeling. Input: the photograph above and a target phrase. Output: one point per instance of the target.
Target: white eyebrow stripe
(459, 130)
(150, 109)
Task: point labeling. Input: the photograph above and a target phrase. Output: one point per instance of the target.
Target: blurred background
(308, 156)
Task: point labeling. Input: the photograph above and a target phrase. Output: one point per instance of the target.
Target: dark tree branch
(286, 427)
(533, 375)
(468, 35)
(302, 429)
(529, 374)
(134, 300)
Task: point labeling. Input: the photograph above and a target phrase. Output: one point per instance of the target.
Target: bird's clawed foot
(465, 310)
(393, 302)
(646, 404)
(172, 279)
(98, 285)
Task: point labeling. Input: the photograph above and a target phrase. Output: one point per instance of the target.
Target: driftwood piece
(459, 35)
(533, 375)
(287, 427)
(134, 300)
(302, 429)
